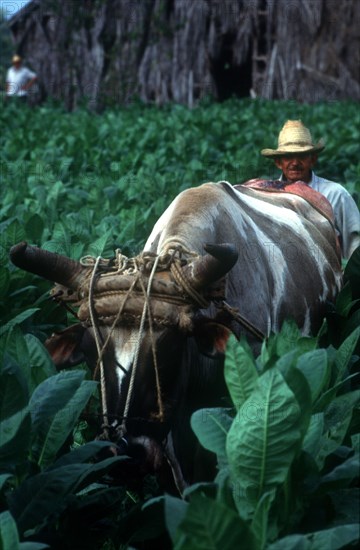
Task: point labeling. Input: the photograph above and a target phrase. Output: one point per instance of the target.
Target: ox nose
(143, 450)
(122, 446)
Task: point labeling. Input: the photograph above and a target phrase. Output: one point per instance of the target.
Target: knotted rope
(137, 350)
(99, 350)
(136, 267)
(127, 279)
(177, 273)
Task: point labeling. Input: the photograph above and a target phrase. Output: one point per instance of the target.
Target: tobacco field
(86, 183)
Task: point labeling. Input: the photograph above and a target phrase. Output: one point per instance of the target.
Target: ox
(282, 262)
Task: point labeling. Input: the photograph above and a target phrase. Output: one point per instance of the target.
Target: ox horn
(220, 258)
(50, 266)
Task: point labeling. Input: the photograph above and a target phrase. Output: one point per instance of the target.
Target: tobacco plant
(287, 448)
(287, 451)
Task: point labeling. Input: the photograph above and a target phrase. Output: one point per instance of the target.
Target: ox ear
(211, 337)
(64, 347)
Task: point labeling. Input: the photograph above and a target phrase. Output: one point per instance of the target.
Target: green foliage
(9, 537)
(44, 478)
(287, 453)
(86, 183)
(241, 382)
(284, 454)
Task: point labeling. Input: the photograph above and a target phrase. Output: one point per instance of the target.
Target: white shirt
(17, 78)
(346, 213)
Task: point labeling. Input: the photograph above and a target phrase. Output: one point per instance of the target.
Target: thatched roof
(182, 50)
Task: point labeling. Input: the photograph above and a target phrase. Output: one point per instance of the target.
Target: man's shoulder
(29, 72)
(322, 184)
(322, 181)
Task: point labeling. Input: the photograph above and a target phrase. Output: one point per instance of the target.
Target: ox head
(147, 366)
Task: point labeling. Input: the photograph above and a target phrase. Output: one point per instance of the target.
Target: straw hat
(294, 138)
(16, 58)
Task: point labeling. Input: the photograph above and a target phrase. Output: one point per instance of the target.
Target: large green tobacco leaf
(98, 470)
(55, 407)
(344, 301)
(9, 537)
(93, 517)
(346, 505)
(325, 400)
(13, 345)
(13, 390)
(14, 416)
(46, 494)
(175, 512)
(4, 279)
(211, 427)
(98, 247)
(337, 418)
(20, 318)
(344, 354)
(260, 521)
(55, 432)
(43, 494)
(11, 426)
(4, 478)
(355, 441)
(52, 395)
(328, 539)
(240, 371)
(352, 323)
(82, 454)
(210, 525)
(313, 438)
(34, 228)
(143, 522)
(287, 343)
(263, 438)
(314, 366)
(31, 356)
(287, 338)
(15, 433)
(341, 476)
(14, 233)
(40, 361)
(298, 384)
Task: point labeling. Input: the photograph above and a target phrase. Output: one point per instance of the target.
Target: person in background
(19, 79)
(296, 156)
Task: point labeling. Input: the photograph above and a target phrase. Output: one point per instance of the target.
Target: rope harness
(137, 271)
(147, 290)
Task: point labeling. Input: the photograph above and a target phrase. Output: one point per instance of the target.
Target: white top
(17, 78)
(346, 212)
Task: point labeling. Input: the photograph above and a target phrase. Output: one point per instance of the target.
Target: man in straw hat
(19, 79)
(296, 156)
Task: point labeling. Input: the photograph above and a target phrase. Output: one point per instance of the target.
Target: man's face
(296, 166)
